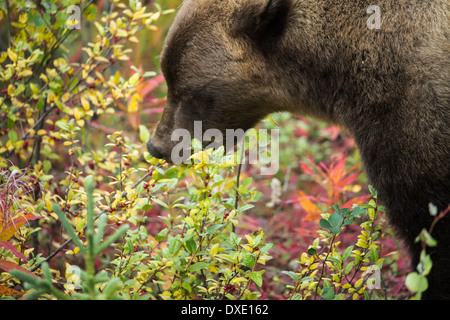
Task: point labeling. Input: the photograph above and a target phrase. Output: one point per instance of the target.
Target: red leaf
(8, 266)
(9, 246)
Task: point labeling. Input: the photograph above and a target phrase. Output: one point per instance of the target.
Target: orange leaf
(313, 212)
(11, 228)
(358, 200)
(5, 291)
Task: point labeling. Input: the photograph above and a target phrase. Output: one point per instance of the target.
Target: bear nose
(153, 151)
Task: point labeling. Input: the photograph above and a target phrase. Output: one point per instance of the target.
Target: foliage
(332, 273)
(417, 281)
(80, 194)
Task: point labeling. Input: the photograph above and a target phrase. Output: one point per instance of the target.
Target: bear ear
(271, 22)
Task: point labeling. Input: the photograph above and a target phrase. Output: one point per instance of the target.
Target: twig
(9, 22)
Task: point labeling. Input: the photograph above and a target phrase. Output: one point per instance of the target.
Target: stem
(323, 265)
(238, 177)
(9, 22)
(34, 160)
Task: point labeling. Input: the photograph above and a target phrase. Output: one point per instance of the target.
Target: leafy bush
(80, 194)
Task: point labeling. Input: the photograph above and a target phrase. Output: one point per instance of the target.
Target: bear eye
(199, 102)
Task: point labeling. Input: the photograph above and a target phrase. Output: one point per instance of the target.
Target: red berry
(91, 165)
(126, 163)
(4, 91)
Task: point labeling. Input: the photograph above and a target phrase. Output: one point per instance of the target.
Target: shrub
(80, 194)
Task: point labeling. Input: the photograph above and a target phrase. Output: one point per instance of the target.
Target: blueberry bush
(87, 213)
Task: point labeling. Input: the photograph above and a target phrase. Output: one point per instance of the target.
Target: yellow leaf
(12, 55)
(77, 113)
(42, 132)
(43, 77)
(25, 73)
(314, 266)
(359, 283)
(112, 27)
(133, 39)
(134, 79)
(85, 104)
(11, 90)
(215, 249)
(23, 18)
(3, 56)
(34, 88)
(116, 78)
(133, 105)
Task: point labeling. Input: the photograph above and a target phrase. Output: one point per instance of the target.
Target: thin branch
(9, 22)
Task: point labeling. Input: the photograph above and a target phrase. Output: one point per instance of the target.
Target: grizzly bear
(380, 69)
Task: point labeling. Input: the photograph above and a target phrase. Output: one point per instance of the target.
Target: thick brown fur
(229, 63)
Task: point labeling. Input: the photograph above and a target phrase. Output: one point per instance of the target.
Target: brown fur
(229, 63)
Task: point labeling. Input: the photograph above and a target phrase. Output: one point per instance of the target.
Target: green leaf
(358, 211)
(416, 282)
(144, 134)
(213, 228)
(191, 245)
(347, 253)
(40, 104)
(312, 251)
(249, 259)
(349, 267)
(161, 203)
(186, 286)
(325, 224)
(246, 207)
(426, 237)
(12, 136)
(174, 245)
(328, 293)
(161, 235)
(292, 275)
(47, 166)
(198, 266)
(256, 277)
(335, 219)
(373, 191)
(335, 230)
(373, 254)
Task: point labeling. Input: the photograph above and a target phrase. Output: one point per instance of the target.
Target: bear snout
(154, 151)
